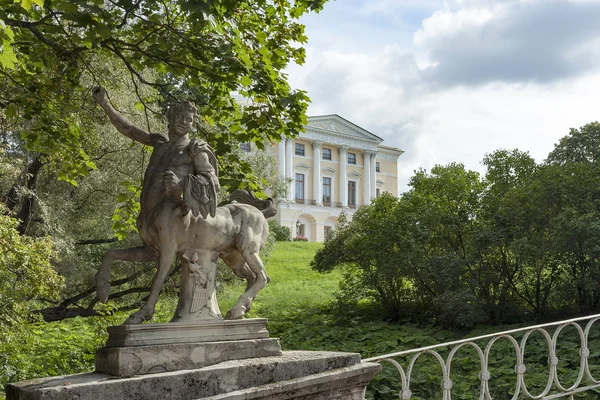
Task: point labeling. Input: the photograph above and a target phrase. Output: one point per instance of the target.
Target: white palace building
(334, 166)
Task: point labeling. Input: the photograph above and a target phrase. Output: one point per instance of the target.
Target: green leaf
(246, 81)
(68, 7)
(11, 111)
(8, 58)
(9, 33)
(139, 106)
(27, 4)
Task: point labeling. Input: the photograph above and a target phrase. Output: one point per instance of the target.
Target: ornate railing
(446, 353)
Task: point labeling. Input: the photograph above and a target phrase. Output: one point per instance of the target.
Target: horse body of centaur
(236, 234)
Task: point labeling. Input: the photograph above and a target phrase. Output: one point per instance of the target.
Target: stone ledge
(346, 383)
(226, 377)
(180, 332)
(139, 360)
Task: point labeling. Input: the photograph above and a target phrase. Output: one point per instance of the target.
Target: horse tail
(270, 210)
(267, 207)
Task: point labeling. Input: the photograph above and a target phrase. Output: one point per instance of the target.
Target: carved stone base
(174, 333)
(140, 360)
(299, 375)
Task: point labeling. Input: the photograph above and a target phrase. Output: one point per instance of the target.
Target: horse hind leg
(236, 261)
(244, 303)
(134, 254)
(165, 259)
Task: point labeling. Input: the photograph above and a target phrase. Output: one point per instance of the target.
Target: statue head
(181, 117)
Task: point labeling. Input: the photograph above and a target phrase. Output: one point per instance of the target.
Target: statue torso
(167, 156)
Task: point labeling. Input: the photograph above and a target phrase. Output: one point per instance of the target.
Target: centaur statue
(179, 216)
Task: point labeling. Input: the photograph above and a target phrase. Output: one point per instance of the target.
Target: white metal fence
(483, 345)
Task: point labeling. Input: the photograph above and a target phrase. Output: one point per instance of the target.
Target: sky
(451, 81)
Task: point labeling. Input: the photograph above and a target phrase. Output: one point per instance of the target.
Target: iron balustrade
(520, 389)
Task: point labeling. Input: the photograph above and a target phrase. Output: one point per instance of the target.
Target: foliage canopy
(53, 52)
(463, 249)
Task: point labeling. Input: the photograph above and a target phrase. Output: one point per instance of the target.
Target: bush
(280, 232)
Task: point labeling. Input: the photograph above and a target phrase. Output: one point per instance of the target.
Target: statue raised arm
(119, 121)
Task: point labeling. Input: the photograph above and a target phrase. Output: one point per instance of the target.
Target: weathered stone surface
(340, 384)
(139, 360)
(324, 371)
(179, 217)
(206, 331)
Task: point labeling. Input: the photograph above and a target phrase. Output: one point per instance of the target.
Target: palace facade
(334, 166)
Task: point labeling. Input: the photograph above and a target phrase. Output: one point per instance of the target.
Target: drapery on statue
(179, 216)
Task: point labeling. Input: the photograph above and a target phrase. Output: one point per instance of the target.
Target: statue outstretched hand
(99, 94)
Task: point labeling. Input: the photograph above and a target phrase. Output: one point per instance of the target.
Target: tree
(379, 251)
(205, 52)
(26, 271)
(521, 241)
(148, 54)
(580, 145)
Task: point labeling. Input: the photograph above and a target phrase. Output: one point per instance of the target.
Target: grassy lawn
(294, 285)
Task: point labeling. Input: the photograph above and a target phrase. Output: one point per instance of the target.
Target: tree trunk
(30, 181)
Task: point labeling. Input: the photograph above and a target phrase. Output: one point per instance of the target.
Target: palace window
(351, 158)
(245, 147)
(326, 191)
(328, 231)
(351, 194)
(299, 149)
(377, 166)
(299, 188)
(326, 154)
(377, 192)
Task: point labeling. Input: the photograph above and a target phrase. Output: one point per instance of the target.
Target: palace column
(317, 186)
(367, 180)
(343, 176)
(373, 175)
(289, 173)
(281, 159)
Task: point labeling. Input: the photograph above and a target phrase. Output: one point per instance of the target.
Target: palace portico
(334, 166)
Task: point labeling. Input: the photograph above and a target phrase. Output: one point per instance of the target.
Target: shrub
(280, 232)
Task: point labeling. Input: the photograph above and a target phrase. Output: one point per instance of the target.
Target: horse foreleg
(135, 254)
(244, 303)
(165, 258)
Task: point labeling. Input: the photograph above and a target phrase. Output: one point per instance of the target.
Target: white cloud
(447, 24)
(511, 41)
(480, 75)
(379, 6)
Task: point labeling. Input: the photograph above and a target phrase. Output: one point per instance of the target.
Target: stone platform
(216, 360)
(293, 375)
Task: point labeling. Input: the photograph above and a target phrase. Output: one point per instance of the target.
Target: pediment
(337, 125)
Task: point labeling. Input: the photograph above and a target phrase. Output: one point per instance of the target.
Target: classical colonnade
(286, 169)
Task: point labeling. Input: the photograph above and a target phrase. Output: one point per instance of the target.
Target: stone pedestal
(216, 359)
(140, 360)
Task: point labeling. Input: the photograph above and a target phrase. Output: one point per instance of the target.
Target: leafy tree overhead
(204, 51)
